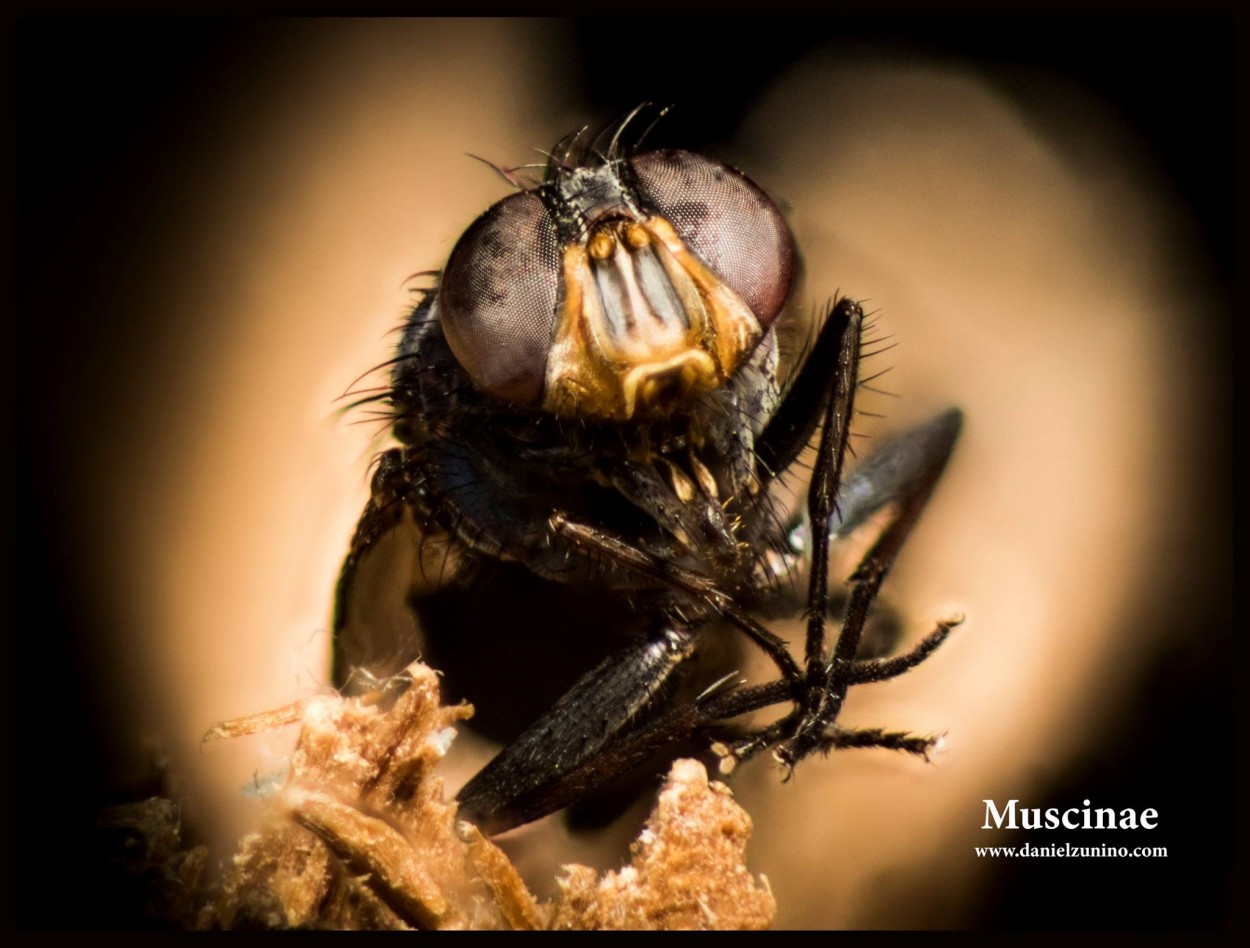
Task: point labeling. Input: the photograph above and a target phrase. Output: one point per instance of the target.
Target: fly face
(590, 395)
(619, 291)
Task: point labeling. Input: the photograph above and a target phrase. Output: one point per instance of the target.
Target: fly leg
(693, 583)
(740, 745)
(902, 475)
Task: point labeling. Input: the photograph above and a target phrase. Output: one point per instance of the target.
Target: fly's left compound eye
(498, 298)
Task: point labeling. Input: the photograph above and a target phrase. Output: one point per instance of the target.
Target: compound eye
(725, 220)
(498, 296)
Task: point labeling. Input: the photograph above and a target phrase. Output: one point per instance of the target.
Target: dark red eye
(726, 220)
(498, 297)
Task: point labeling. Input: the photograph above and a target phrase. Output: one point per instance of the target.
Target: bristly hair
(383, 395)
(576, 151)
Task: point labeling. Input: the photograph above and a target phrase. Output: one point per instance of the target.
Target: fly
(588, 403)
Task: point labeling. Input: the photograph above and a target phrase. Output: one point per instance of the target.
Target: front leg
(902, 475)
(909, 468)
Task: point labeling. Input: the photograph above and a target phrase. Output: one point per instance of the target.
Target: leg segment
(839, 739)
(921, 455)
(688, 581)
(879, 669)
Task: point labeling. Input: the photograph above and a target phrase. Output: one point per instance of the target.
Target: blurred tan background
(190, 485)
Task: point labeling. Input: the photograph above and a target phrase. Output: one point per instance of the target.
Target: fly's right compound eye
(726, 221)
(498, 298)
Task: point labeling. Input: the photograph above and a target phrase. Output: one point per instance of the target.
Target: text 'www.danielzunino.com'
(1068, 851)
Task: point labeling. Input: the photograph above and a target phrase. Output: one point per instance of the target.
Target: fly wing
(391, 560)
(905, 466)
(561, 756)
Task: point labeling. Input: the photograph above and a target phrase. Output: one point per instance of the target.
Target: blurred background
(214, 223)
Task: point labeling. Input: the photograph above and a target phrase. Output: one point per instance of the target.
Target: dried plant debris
(688, 871)
(361, 837)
